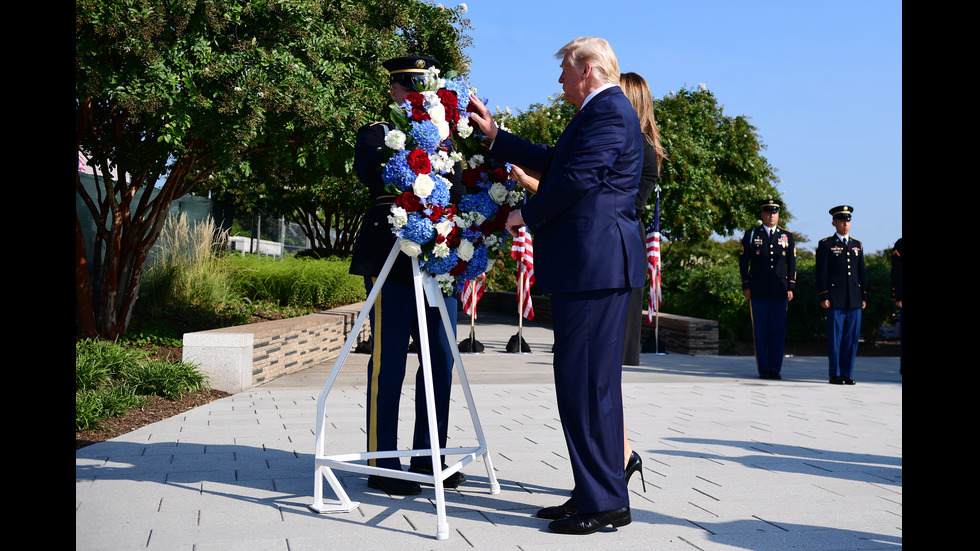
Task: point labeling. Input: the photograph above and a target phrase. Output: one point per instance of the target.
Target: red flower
(450, 104)
(471, 176)
(500, 174)
(417, 101)
(409, 201)
(418, 160)
(460, 267)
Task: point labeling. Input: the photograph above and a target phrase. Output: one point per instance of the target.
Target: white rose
(395, 139)
(465, 250)
(410, 248)
(444, 227)
(498, 192)
(423, 186)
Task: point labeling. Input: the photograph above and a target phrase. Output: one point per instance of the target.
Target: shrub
(299, 282)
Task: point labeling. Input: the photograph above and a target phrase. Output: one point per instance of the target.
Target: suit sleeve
(596, 145)
(791, 265)
(820, 272)
(743, 259)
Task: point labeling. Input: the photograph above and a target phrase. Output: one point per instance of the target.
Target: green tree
(173, 94)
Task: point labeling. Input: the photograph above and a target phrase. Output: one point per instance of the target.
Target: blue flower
(478, 202)
(418, 229)
(477, 264)
(440, 192)
(426, 135)
(462, 90)
(436, 265)
(397, 173)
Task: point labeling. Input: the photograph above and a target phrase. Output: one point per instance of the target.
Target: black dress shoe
(836, 380)
(635, 464)
(775, 375)
(589, 523)
(566, 509)
(451, 481)
(764, 375)
(848, 381)
(394, 486)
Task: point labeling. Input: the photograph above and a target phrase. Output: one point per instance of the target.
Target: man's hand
(480, 115)
(514, 222)
(748, 293)
(789, 296)
(825, 304)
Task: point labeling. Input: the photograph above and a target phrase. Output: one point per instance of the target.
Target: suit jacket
(583, 217)
(375, 239)
(840, 272)
(767, 263)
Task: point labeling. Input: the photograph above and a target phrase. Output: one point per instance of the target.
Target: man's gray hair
(596, 52)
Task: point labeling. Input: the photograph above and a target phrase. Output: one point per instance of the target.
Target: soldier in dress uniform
(393, 317)
(767, 263)
(842, 293)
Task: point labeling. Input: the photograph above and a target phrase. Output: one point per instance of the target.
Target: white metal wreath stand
(326, 463)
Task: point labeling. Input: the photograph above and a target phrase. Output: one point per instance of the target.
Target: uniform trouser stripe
(376, 318)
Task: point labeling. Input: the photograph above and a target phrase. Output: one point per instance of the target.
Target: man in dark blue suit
(588, 255)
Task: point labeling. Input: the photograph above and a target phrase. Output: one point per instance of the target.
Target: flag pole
(656, 327)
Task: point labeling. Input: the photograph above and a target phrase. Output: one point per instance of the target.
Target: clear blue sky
(822, 82)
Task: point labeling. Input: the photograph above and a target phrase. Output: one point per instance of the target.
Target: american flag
(523, 251)
(472, 293)
(653, 261)
(81, 162)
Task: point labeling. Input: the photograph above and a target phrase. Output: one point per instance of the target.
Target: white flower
(441, 250)
(410, 247)
(395, 139)
(490, 241)
(462, 8)
(423, 186)
(513, 197)
(702, 86)
(498, 192)
(398, 217)
(475, 161)
(463, 128)
(444, 227)
(465, 250)
(442, 162)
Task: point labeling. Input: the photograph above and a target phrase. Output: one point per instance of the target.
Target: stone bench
(243, 356)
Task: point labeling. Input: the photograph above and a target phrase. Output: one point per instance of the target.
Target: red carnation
(418, 160)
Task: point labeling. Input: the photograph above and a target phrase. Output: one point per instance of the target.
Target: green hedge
(297, 282)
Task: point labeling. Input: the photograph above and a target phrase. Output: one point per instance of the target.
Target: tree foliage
(179, 93)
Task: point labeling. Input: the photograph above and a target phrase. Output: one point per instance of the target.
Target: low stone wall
(678, 334)
(240, 357)
(244, 356)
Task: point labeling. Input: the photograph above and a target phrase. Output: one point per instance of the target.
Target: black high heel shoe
(635, 464)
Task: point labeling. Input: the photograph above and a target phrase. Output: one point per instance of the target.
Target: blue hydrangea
(478, 202)
(440, 192)
(477, 264)
(436, 265)
(426, 135)
(418, 229)
(397, 173)
(462, 89)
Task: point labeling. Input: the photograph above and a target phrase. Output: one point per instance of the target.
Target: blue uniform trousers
(589, 328)
(393, 319)
(769, 328)
(843, 332)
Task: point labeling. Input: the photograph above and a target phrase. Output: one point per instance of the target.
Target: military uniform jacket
(767, 263)
(840, 272)
(375, 239)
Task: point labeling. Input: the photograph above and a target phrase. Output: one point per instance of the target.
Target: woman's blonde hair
(596, 52)
(638, 92)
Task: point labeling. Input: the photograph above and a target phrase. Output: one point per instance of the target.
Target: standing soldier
(767, 263)
(842, 293)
